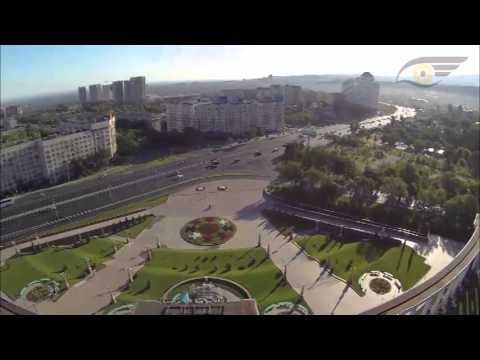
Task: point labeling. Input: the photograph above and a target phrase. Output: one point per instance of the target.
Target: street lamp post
(54, 206)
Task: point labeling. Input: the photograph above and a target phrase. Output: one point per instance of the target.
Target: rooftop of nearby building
(241, 307)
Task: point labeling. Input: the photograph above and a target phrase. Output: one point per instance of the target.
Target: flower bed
(208, 231)
(380, 286)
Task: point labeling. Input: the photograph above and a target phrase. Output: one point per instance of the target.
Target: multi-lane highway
(44, 209)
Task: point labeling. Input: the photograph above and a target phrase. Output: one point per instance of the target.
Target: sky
(33, 70)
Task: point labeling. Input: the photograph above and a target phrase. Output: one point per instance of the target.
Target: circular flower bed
(38, 293)
(380, 286)
(40, 290)
(208, 231)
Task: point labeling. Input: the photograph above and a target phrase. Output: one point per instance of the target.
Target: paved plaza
(241, 203)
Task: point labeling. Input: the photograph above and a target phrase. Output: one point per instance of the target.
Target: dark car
(258, 153)
(235, 161)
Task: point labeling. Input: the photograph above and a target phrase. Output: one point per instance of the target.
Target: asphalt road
(34, 212)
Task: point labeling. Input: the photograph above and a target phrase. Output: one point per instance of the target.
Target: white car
(179, 176)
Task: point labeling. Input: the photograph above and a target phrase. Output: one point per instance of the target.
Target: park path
(89, 296)
(324, 293)
(10, 251)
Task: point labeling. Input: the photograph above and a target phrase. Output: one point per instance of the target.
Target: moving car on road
(175, 174)
(6, 202)
(257, 153)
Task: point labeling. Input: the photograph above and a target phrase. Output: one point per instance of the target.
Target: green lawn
(51, 262)
(112, 213)
(248, 267)
(135, 230)
(358, 257)
(164, 160)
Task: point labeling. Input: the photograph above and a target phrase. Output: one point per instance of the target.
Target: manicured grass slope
(109, 214)
(249, 267)
(358, 257)
(49, 263)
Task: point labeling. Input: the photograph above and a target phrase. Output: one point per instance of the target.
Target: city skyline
(65, 68)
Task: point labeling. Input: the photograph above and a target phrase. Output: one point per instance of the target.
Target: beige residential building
(21, 163)
(223, 116)
(50, 159)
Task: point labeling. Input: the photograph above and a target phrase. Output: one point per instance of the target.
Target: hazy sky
(32, 70)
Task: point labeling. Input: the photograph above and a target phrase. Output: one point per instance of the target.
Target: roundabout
(208, 231)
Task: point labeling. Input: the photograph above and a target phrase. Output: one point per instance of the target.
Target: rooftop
(242, 307)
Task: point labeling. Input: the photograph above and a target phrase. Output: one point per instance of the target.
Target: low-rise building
(8, 123)
(13, 110)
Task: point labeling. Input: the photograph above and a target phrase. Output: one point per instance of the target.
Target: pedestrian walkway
(11, 251)
(95, 293)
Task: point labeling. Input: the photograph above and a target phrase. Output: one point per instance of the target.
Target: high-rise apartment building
(107, 92)
(292, 94)
(137, 89)
(95, 93)
(117, 92)
(50, 159)
(128, 92)
(362, 91)
(82, 95)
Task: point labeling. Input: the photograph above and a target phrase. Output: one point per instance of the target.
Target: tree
(293, 151)
(452, 184)
(409, 174)
(354, 126)
(291, 171)
(395, 187)
(342, 165)
(329, 192)
(363, 189)
(312, 177)
(460, 212)
(127, 143)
